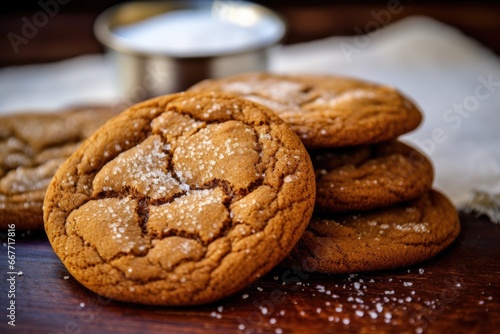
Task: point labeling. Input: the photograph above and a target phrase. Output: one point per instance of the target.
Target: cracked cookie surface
(32, 147)
(326, 111)
(181, 200)
(393, 237)
(369, 177)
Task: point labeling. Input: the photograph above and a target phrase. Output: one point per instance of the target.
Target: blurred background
(69, 33)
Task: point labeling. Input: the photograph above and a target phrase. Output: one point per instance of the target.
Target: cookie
(326, 111)
(369, 177)
(32, 147)
(397, 236)
(181, 200)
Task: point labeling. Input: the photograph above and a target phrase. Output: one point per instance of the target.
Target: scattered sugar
(216, 315)
(265, 136)
(413, 227)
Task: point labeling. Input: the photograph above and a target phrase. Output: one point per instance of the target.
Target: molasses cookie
(397, 236)
(181, 200)
(326, 111)
(369, 177)
(32, 147)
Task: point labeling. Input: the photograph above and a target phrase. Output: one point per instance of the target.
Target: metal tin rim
(105, 35)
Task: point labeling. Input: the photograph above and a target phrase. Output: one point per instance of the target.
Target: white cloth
(434, 64)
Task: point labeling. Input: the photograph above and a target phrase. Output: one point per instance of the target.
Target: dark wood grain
(456, 292)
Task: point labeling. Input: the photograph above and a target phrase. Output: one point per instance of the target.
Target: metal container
(143, 73)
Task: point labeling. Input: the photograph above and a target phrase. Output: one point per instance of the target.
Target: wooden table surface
(456, 292)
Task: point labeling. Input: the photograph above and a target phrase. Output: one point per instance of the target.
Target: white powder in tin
(200, 32)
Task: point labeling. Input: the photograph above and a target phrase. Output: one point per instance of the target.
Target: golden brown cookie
(397, 236)
(369, 177)
(32, 147)
(181, 200)
(326, 111)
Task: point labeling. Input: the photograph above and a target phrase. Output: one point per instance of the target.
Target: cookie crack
(146, 133)
(143, 213)
(88, 244)
(173, 232)
(92, 173)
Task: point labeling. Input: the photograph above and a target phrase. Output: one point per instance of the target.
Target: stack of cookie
(188, 198)
(375, 208)
(32, 147)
